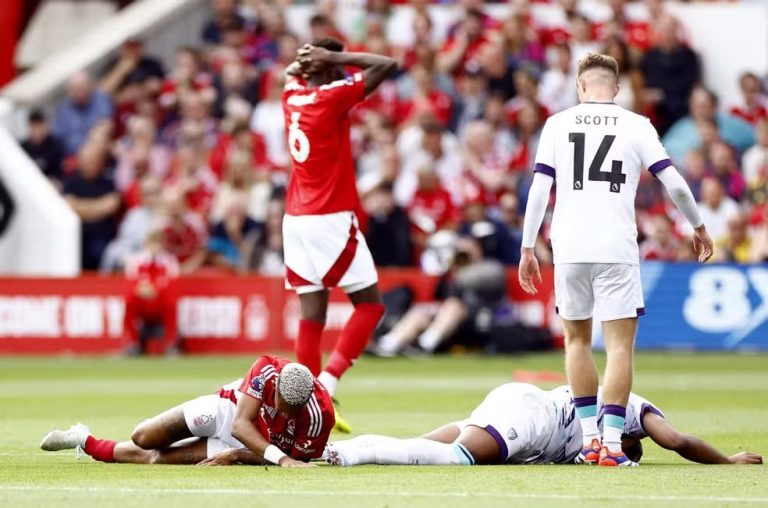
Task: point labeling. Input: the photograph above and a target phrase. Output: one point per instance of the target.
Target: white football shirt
(595, 152)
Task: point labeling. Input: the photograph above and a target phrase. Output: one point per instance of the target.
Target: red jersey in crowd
(317, 126)
(301, 438)
(184, 236)
(432, 210)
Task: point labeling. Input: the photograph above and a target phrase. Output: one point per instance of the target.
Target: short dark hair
(329, 44)
(36, 116)
(319, 20)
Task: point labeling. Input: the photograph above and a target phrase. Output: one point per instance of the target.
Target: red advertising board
(216, 314)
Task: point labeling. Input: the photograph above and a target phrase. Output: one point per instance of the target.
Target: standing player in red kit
(323, 245)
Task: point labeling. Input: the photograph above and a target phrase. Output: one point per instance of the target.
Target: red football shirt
(302, 438)
(317, 127)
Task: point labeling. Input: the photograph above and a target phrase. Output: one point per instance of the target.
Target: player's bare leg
(352, 341)
(314, 307)
(582, 376)
(192, 452)
(619, 346)
(162, 430)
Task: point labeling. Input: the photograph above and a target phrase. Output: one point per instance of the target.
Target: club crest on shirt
(512, 434)
(257, 386)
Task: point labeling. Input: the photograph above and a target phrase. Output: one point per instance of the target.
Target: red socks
(354, 337)
(308, 345)
(102, 450)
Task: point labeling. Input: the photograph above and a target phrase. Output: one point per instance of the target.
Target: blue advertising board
(708, 307)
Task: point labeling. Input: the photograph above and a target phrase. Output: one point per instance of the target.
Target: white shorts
(520, 417)
(612, 291)
(211, 416)
(326, 251)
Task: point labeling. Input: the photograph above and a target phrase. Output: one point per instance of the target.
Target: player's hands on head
(702, 244)
(746, 458)
(528, 271)
(308, 55)
(292, 463)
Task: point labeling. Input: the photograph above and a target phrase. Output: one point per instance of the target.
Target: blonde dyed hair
(599, 61)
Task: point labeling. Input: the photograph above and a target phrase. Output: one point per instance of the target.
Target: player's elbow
(239, 426)
(389, 66)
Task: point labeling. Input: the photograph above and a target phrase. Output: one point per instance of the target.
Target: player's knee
(578, 341)
(142, 436)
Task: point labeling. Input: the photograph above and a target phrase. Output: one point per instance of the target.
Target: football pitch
(719, 397)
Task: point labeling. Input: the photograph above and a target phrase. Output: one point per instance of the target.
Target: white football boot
(72, 438)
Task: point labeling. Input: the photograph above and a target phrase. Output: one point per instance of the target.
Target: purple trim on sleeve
(589, 400)
(658, 166)
(543, 168)
(503, 450)
(648, 408)
(640, 311)
(615, 410)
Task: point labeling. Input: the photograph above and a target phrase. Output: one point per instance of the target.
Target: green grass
(721, 398)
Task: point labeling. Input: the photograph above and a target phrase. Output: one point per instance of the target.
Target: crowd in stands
(197, 153)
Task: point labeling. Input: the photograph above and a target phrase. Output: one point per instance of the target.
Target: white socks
(429, 340)
(328, 381)
(388, 450)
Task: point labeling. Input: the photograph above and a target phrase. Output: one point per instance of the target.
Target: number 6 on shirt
(298, 142)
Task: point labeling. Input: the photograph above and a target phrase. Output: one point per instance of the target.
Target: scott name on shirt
(597, 120)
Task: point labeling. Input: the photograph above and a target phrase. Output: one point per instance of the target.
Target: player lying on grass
(518, 423)
(277, 414)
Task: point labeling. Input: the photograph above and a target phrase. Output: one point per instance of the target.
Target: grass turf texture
(722, 398)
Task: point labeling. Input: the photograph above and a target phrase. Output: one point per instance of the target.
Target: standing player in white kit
(595, 153)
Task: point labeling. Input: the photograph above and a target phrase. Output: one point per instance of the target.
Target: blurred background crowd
(196, 154)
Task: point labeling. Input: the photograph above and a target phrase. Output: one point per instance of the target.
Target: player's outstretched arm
(538, 198)
(376, 68)
(684, 201)
(690, 447)
(244, 431)
(233, 456)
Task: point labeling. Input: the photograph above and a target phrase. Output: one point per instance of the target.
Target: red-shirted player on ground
(277, 414)
(323, 245)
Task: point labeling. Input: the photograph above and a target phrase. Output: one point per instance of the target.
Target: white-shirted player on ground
(519, 423)
(595, 152)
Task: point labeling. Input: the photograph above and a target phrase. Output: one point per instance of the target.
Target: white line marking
(373, 494)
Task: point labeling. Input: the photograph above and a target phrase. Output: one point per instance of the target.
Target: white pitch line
(315, 493)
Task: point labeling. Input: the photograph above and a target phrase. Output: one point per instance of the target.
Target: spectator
(499, 74)
(432, 207)
(436, 147)
(186, 77)
(427, 98)
(192, 177)
(755, 160)
(268, 121)
(684, 135)
(132, 65)
(509, 209)
(660, 243)
(184, 233)
(424, 56)
(723, 167)
(239, 139)
(496, 116)
(465, 45)
(95, 200)
(491, 235)
(135, 227)
(527, 84)
(736, 245)
(670, 70)
(242, 188)
(148, 298)
(486, 167)
(557, 88)
(233, 238)
(138, 154)
(234, 84)
(630, 78)
(268, 256)
(79, 112)
(44, 148)
(225, 12)
(520, 48)
(529, 122)
(581, 41)
(474, 94)
(716, 208)
(195, 116)
(754, 103)
(388, 228)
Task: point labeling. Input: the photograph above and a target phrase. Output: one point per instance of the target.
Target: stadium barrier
(711, 307)
(216, 314)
